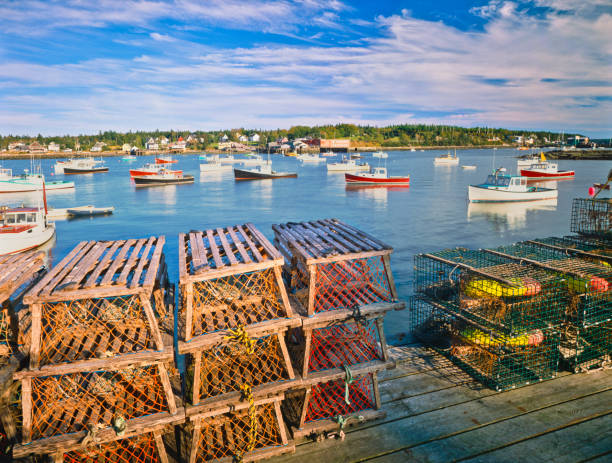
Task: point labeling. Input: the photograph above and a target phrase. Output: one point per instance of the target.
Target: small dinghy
(89, 211)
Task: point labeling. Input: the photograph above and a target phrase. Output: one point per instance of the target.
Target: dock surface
(437, 413)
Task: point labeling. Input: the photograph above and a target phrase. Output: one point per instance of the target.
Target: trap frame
(586, 348)
(106, 300)
(332, 266)
(578, 245)
(230, 278)
(249, 431)
(497, 360)
(592, 217)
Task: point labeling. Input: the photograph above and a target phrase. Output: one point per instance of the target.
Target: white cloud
(161, 37)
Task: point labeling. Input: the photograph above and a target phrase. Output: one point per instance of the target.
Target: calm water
(430, 215)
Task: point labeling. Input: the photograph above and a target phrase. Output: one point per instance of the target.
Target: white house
(151, 145)
(224, 138)
(163, 141)
(243, 138)
(53, 147)
(17, 146)
(180, 144)
(126, 148)
(98, 147)
(255, 137)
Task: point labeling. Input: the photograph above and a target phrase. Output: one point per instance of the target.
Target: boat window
(31, 217)
(10, 218)
(21, 218)
(498, 181)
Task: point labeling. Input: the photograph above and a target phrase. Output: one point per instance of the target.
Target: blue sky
(79, 66)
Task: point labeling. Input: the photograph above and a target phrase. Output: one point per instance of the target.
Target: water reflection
(379, 194)
(162, 195)
(511, 216)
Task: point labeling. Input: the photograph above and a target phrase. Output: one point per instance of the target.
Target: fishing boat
(348, 165)
(83, 166)
(447, 160)
(530, 160)
(164, 177)
(29, 182)
(23, 228)
(545, 170)
(500, 187)
(89, 211)
(356, 156)
(380, 154)
(150, 169)
(378, 176)
(468, 167)
(213, 164)
(328, 153)
(252, 160)
(261, 172)
(165, 159)
(311, 157)
(292, 154)
(128, 158)
(229, 159)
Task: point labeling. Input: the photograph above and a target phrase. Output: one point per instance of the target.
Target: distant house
(36, 147)
(224, 138)
(243, 138)
(97, 147)
(163, 141)
(254, 138)
(67, 150)
(192, 139)
(180, 144)
(126, 148)
(151, 145)
(53, 147)
(17, 146)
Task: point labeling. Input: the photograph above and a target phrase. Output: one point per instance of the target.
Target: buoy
(591, 191)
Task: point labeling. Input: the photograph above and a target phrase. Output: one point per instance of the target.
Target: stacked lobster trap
(585, 267)
(592, 217)
(101, 355)
(341, 284)
(17, 274)
(233, 315)
(493, 316)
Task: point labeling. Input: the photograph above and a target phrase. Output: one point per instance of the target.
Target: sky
(81, 66)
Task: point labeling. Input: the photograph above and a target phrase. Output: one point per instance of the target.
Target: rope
(357, 315)
(348, 380)
(240, 336)
(247, 395)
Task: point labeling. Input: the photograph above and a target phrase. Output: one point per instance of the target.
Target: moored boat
(311, 157)
(84, 166)
(468, 167)
(261, 172)
(378, 176)
(447, 160)
(530, 160)
(164, 177)
(500, 187)
(251, 160)
(546, 170)
(213, 164)
(150, 169)
(165, 159)
(327, 153)
(23, 228)
(380, 154)
(87, 211)
(29, 182)
(347, 165)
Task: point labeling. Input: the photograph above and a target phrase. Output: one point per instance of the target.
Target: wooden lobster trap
(249, 431)
(105, 300)
(332, 266)
(326, 406)
(230, 279)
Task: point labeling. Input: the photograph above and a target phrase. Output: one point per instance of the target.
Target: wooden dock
(436, 413)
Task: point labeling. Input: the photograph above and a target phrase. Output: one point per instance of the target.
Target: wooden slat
(226, 247)
(127, 267)
(212, 246)
(264, 241)
(91, 281)
(355, 245)
(110, 272)
(183, 270)
(83, 267)
(361, 234)
(154, 264)
(245, 256)
(143, 261)
(249, 242)
(292, 242)
(62, 270)
(197, 260)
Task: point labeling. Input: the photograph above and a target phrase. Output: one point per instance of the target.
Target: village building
(17, 146)
(126, 148)
(254, 138)
(243, 138)
(163, 141)
(67, 150)
(151, 144)
(36, 147)
(180, 144)
(97, 147)
(224, 138)
(54, 147)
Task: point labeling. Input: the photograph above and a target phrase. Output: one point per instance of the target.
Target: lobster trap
(332, 266)
(230, 278)
(331, 405)
(500, 361)
(592, 217)
(17, 273)
(587, 277)
(495, 291)
(222, 373)
(104, 300)
(578, 245)
(250, 432)
(586, 348)
(143, 448)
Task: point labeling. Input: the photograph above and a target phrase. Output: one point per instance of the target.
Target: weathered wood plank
(241, 250)
(226, 247)
(251, 245)
(91, 280)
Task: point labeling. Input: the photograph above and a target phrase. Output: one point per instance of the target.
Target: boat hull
(165, 161)
(11, 243)
(477, 194)
(150, 181)
(215, 167)
(75, 171)
(245, 174)
(25, 186)
(343, 168)
(363, 180)
(529, 173)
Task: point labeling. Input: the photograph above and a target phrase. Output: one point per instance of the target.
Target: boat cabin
(507, 182)
(379, 172)
(18, 218)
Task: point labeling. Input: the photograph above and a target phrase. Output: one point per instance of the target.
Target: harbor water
(432, 214)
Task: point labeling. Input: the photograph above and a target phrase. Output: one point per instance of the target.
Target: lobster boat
(447, 160)
(83, 166)
(347, 165)
(165, 159)
(500, 188)
(150, 169)
(378, 176)
(29, 182)
(546, 170)
(23, 228)
(164, 177)
(261, 172)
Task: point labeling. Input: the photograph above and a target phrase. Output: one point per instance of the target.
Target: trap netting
(491, 290)
(344, 284)
(337, 345)
(84, 329)
(592, 217)
(6, 334)
(138, 449)
(228, 367)
(69, 403)
(496, 359)
(329, 400)
(236, 300)
(588, 281)
(235, 435)
(580, 243)
(585, 348)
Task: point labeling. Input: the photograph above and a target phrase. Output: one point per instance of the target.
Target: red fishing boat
(378, 176)
(150, 169)
(165, 159)
(546, 170)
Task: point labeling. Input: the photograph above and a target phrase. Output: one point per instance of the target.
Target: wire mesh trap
(592, 217)
(229, 367)
(586, 348)
(143, 448)
(244, 434)
(498, 360)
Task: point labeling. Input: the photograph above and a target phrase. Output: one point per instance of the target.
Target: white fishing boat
(380, 154)
(348, 165)
(500, 187)
(468, 167)
(447, 160)
(88, 211)
(328, 153)
(213, 164)
(529, 161)
(229, 159)
(252, 160)
(27, 182)
(80, 166)
(129, 158)
(23, 228)
(310, 157)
